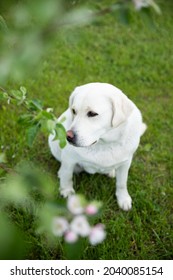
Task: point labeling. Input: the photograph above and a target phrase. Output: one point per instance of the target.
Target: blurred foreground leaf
(12, 242)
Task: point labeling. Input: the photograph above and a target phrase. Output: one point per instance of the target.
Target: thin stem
(7, 169)
(12, 97)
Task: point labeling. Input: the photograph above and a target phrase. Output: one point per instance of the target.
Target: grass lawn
(139, 60)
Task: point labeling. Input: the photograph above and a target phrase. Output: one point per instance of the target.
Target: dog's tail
(143, 128)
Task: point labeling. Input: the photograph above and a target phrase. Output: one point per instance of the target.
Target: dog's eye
(91, 114)
(73, 111)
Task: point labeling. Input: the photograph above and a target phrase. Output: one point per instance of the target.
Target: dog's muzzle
(71, 137)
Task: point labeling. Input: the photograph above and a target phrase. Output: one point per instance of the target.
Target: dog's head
(96, 108)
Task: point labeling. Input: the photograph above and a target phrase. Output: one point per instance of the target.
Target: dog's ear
(121, 107)
(72, 96)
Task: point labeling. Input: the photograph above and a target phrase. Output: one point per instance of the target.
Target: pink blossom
(71, 237)
(91, 209)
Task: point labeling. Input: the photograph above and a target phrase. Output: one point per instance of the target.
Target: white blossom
(76, 224)
(139, 4)
(59, 226)
(97, 234)
(80, 226)
(49, 110)
(74, 204)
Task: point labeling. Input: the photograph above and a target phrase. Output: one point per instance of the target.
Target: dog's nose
(71, 136)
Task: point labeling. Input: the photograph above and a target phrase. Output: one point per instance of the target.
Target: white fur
(104, 143)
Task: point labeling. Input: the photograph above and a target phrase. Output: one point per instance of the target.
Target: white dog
(103, 132)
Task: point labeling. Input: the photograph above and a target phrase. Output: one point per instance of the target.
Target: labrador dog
(103, 131)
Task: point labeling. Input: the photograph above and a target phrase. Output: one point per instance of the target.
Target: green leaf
(18, 97)
(35, 105)
(23, 90)
(60, 134)
(47, 126)
(17, 94)
(31, 134)
(62, 119)
(50, 125)
(47, 115)
(4, 96)
(25, 119)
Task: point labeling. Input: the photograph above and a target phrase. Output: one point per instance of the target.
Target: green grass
(138, 59)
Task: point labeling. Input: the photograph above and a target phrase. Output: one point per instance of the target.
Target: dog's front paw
(65, 192)
(124, 202)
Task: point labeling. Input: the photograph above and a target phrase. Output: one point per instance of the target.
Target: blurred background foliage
(29, 28)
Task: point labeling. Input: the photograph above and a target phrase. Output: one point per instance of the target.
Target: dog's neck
(115, 134)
